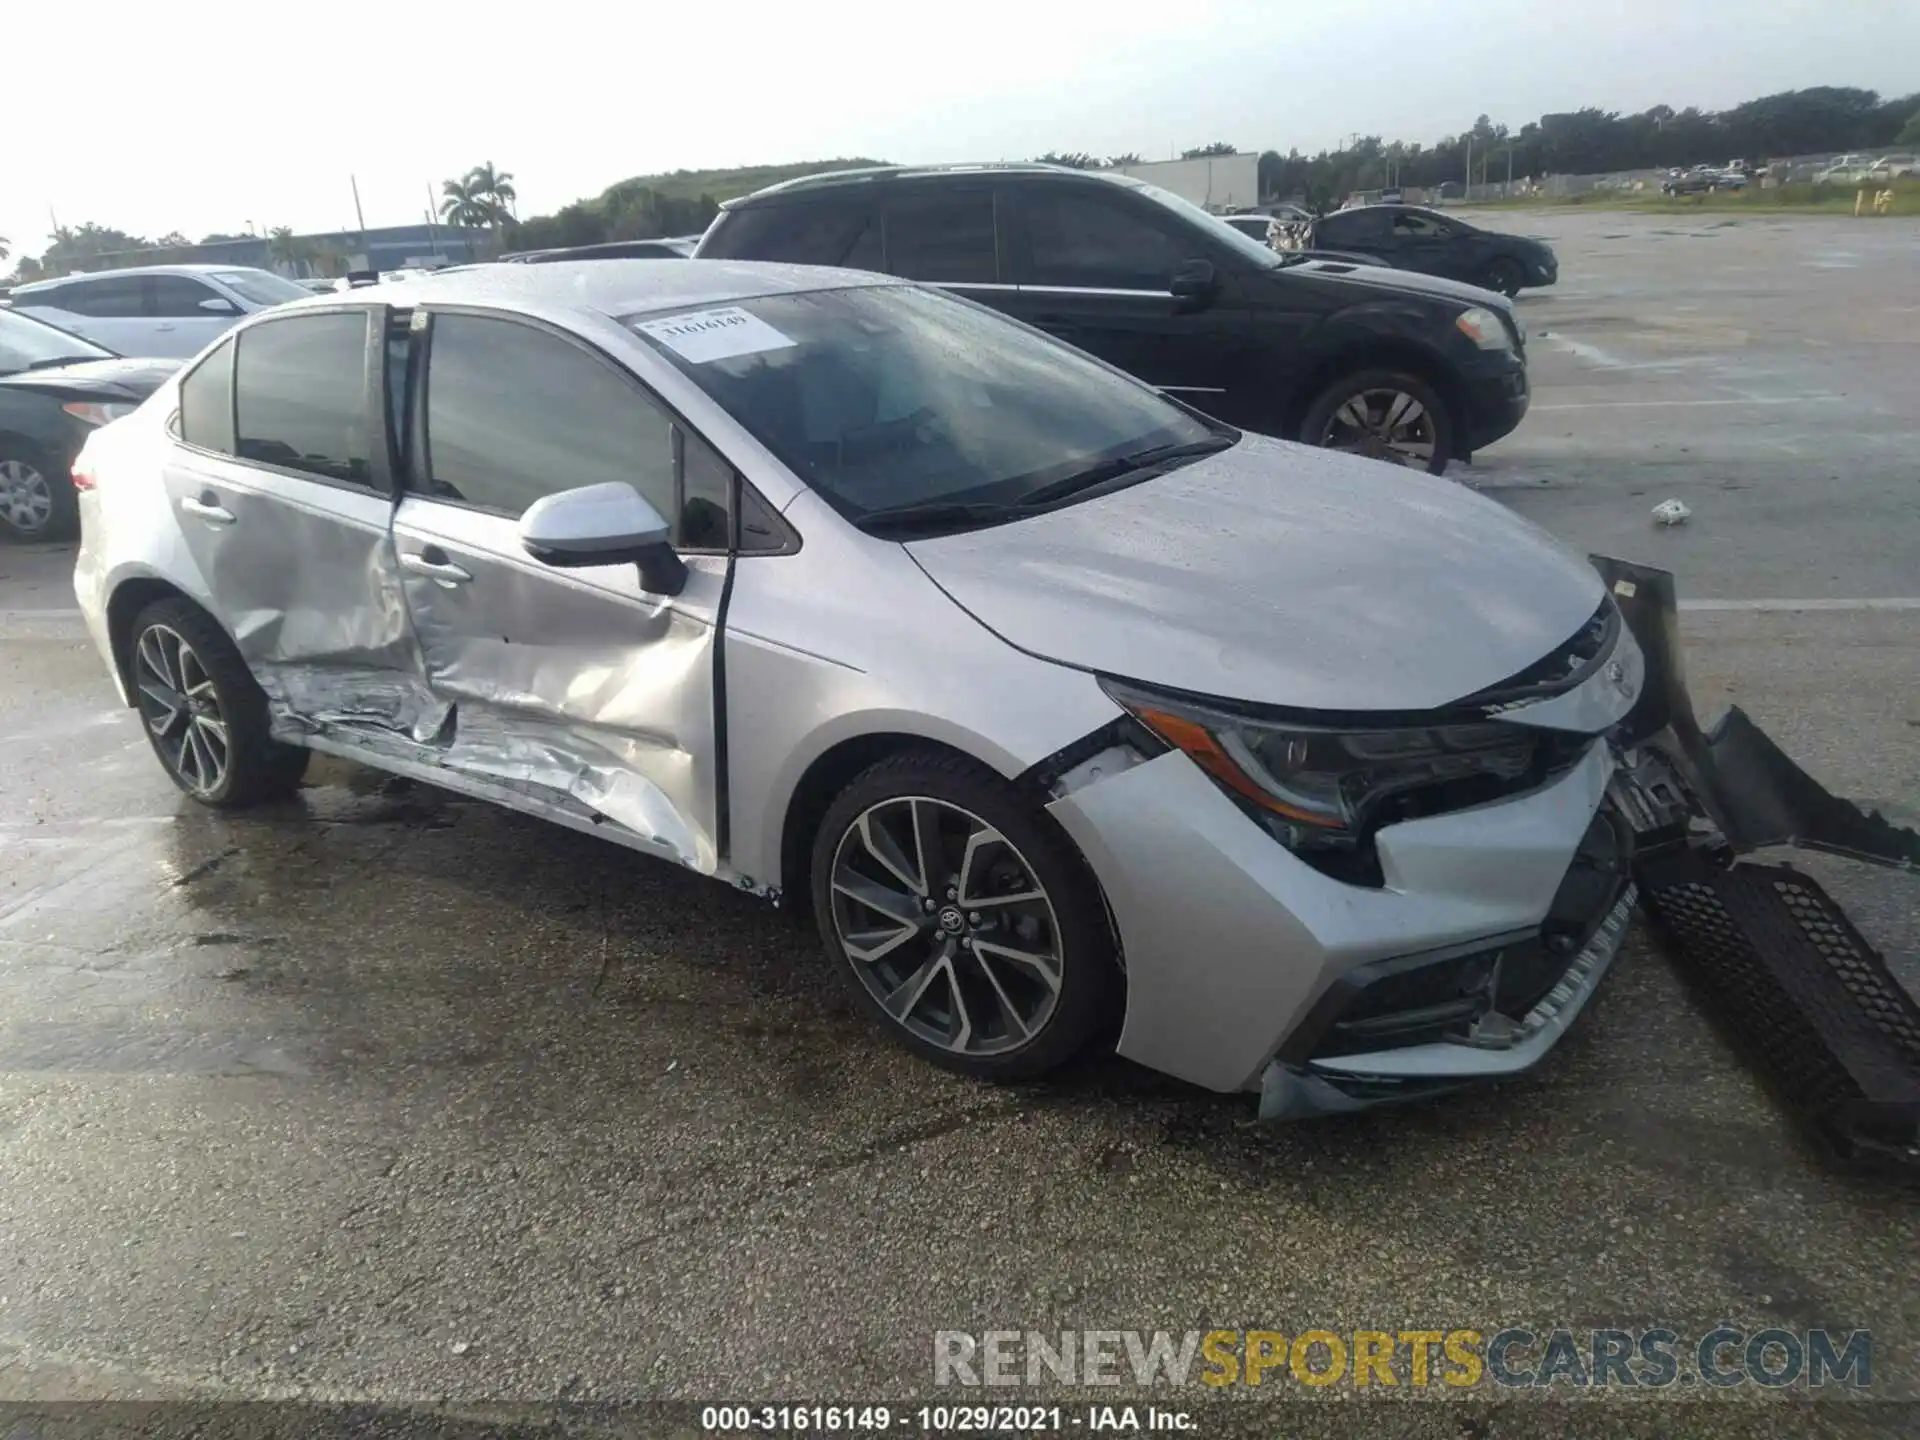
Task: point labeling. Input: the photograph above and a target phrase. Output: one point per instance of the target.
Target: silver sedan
(1067, 711)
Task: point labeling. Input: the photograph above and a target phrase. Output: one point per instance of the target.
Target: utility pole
(1469, 191)
(357, 213)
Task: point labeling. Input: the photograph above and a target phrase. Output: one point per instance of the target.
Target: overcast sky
(204, 115)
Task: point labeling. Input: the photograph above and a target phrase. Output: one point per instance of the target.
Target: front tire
(961, 919)
(36, 497)
(204, 714)
(1385, 415)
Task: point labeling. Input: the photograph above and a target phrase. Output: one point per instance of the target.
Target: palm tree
(4, 243)
(285, 247)
(496, 186)
(464, 204)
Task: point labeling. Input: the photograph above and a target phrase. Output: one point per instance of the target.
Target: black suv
(1357, 357)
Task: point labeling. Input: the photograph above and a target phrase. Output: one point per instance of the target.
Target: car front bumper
(1237, 953)
(1495, 396)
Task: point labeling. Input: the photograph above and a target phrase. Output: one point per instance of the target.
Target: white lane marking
(1685, 404)
(1592, 354)
(1895, 602)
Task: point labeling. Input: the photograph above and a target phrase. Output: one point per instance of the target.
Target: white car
(1845, 169)
(1903, 166)
(155, 310)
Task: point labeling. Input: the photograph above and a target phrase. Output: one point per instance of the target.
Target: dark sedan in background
(1408, 237)
(55, 388)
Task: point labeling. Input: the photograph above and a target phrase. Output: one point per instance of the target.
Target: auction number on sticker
(744, 1418)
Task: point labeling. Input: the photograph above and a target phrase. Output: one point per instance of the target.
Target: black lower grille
(1802, 991)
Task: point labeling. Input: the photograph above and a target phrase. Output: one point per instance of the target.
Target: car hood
(128, 379)
(1377, 275)
(1279, 574)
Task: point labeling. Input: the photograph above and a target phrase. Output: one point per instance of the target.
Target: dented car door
(575, 686)
(278, 471)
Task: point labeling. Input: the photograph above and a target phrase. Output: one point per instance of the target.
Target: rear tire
(1385, 415)
(204, 714)
(37, 501)
(977, 937)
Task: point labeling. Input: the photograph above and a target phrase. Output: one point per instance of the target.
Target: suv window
(943, 236)
(1361, 226)
(109, 297)
(176, 295)
(515, 413)
(1089, 241)
(820, 232)
(206, 402)
(300, 395)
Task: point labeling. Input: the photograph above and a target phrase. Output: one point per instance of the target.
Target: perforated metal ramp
(1811, 1002)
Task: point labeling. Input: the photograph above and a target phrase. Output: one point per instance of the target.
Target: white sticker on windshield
(715, 334)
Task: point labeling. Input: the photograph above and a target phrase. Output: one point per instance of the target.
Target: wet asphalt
(386, 1095)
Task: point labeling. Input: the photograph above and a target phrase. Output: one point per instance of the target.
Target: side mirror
(214, 305)
(1194, 284)
(610, 524)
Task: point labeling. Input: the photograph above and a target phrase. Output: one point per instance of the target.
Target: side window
(1087, 241)
(942, 236)
(1417, 227)
(206, 402)
(820, 232)
(180, 295)
(300, 393)
(515, 413)
(1362, 226)
(108, 298)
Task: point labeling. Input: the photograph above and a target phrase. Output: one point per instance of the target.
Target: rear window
(300, 394)
(822, 232)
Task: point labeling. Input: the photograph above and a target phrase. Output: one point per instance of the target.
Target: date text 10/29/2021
(946, 1419)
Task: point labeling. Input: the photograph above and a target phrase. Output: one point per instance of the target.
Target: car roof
(805, 185)
(616, 288)
(130, 270)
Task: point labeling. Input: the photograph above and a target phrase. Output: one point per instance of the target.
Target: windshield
(888, 396)
(261, 287)
(1254, 250)
(25, 343)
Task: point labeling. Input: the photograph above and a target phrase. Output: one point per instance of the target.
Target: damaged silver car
(1058, 703)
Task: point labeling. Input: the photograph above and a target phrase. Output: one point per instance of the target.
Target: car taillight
(83, 477)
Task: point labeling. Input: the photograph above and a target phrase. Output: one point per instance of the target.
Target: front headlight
(1484, 328)
(98, 412)
(1318, 787)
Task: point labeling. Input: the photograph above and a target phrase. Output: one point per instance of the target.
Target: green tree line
(1821, 120)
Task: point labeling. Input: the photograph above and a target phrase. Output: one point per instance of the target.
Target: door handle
(208, 508)
(443, 573)
(164, 329)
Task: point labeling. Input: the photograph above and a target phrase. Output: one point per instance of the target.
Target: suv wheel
(1385, 415)
(962, 921)
(36, 501)
(204, 714)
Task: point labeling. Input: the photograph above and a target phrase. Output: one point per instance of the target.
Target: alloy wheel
(26, 498)
(182, 710)
(1383, 424)
(946, 926)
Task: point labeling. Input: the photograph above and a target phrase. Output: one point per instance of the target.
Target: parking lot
(390, 1095)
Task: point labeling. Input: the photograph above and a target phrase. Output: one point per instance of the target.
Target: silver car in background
(1057, 703)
